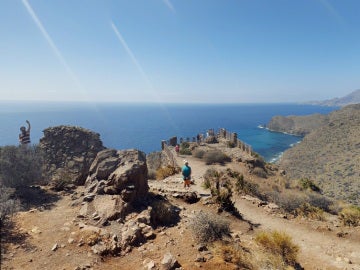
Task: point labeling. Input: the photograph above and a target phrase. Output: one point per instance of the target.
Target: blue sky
(225, 51)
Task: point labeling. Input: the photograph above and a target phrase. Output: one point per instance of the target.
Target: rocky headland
(329, 154)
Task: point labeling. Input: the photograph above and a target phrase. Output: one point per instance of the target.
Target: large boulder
(69, 152)
(120, 172)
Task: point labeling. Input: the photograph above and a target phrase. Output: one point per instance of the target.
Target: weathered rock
(69, 152)
(169, 262)
(121, 172)
(191, 197)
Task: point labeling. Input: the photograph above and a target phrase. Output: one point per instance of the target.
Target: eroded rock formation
(69, 152)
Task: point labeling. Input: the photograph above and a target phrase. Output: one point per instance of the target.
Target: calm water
(143, 126)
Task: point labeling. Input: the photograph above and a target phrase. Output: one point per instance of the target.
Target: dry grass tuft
(350, 215)
(280, 245)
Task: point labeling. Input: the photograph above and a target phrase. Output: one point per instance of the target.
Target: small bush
(321, 202)
(245, 187)
(8, 204)
(310, 211)
(167, 171)
(234, 253)
(20, 166)
(307, 184)
(289, 201)
(164, 213)
(279, 244)
(215, 156)
(210, 177)
(184, 145)
(350, 216)
(185, 151)
(209, 227)
(258, 171)
(198, 153)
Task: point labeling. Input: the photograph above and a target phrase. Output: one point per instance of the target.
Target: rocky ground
(57, 237)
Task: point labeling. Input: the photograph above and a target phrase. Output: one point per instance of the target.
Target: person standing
(186, 173)
(24, 136)
(177, 149)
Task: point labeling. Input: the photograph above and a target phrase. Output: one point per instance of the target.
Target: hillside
(330, 155)
(352, 98)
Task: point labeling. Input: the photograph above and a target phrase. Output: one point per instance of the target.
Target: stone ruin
(69, 152)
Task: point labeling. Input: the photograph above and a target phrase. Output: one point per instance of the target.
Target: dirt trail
(319, 248)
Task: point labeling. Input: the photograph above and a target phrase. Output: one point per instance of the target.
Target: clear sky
(238, 51)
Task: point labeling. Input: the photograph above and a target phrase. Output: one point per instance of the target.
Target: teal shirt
(186, 171)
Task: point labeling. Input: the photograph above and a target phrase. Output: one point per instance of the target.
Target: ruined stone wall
(69, 151)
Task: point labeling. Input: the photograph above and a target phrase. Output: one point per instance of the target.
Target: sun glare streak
(51, 43)
(332, 11)
(169, 5)
(130, 53)
(143, 74)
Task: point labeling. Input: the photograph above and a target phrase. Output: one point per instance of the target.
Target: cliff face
(297, 125)
(330, 155)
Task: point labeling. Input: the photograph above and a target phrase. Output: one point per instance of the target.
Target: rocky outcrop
(297, 125)
(69, 152)
(121, 174)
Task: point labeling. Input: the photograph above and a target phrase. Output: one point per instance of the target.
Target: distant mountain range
(352, 98)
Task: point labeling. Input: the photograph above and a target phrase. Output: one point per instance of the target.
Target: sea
(144, 126)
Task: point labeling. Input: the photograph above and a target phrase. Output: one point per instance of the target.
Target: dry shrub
(310, 211)
(234, 253)
(210, 177)
(164, 213)
(289, 201)
(20, 166)
(258, 171)
(208, 227)
(350, 216)
(167, 171)
(215, 156)
(198, 153)
(307, 184)
(280, 245)
(8, 204)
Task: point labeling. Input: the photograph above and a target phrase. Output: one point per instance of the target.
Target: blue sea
(144, 126)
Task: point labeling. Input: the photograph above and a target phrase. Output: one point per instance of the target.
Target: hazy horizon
(172, 51)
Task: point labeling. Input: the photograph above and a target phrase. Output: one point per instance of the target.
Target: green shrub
(20, 166)
(350, 216)
(307, 184)
(216, 156)
(209, 227)
(279, 244)
(184, 145)
(198, 153)
(185, 151)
